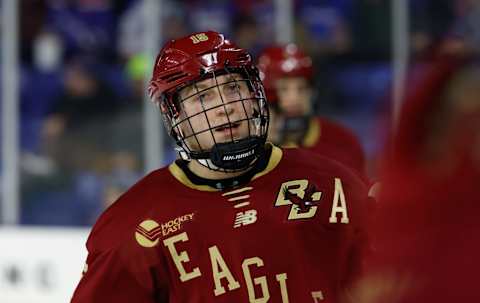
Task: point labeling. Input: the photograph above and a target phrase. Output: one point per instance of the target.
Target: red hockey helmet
(283, 61)
(208, 55)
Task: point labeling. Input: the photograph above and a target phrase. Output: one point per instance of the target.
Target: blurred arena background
(77, 130)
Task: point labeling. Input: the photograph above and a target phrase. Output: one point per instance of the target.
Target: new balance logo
(245, 218)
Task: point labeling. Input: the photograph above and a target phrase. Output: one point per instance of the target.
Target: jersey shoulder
(312, 163)
(340, 143)
(336, 134)
(335, 180)
(331, 129)
(122, 217)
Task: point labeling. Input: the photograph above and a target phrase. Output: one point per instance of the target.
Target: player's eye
(205, 96)
(233, 87)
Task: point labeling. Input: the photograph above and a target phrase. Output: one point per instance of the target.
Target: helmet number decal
(197, 38)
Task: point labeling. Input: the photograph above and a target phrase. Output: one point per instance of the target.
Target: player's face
(217, 113)
(294, 95)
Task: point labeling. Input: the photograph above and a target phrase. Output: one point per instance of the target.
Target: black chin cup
(237, 155)
(295, 127)
(295, 124)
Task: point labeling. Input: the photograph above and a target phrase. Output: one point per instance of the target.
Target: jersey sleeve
(360, 251)
(359, 208)
(107, 280)
(117, 269)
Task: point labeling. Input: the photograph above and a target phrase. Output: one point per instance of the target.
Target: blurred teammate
(427, 226)
(235, 219)
(287, 74)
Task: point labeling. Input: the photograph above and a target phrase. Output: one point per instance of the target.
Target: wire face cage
(220, 119)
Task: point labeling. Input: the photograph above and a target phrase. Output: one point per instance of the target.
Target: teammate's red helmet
(283, 61)
(208, 55)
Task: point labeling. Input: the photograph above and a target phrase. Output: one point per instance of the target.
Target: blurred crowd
(83, 71)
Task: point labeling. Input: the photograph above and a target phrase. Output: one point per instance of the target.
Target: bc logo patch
(302, 198)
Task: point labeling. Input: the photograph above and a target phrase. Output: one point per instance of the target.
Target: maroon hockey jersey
(292, 234)
(335, 141)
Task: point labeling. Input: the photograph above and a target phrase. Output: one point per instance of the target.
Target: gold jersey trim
(313, 133)
(274, 160)
(178, 173)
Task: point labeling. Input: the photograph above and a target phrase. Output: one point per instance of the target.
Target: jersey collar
(180, 175)
(313, 133)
